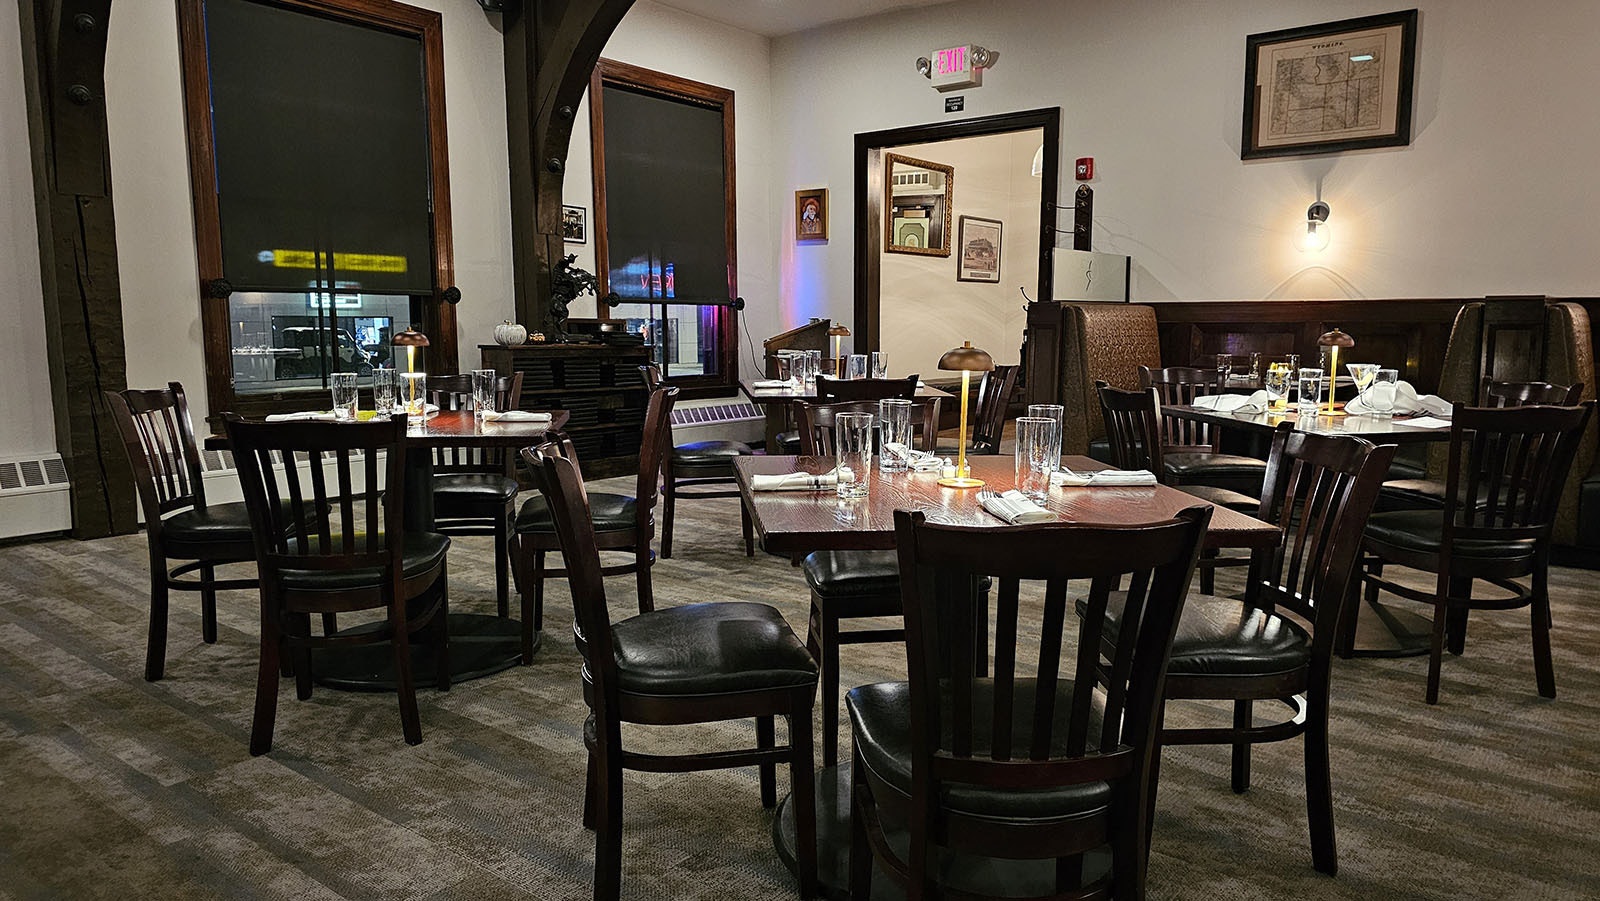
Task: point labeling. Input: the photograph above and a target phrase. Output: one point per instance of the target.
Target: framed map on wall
(1325, 88)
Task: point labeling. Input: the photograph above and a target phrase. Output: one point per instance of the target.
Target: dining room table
(799, 522)
(775, 401)
(1389, 430)
(480, 644)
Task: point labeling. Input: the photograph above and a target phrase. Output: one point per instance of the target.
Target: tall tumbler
(894, 434)
(1050, 411)
(852, 438)
(384, 384)
(344, 395)
(879, 364)
(1038, 455)
(483, 392)
(856, 366)
(1310, 391)
(414, 394)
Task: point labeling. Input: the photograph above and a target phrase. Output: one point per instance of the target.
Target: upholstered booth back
(1569, 358)
(1107, 341)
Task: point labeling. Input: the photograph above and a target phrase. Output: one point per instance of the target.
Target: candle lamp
(1333, 340)
(410, 339)
(414, 387)
(838, 333)
(966, 359)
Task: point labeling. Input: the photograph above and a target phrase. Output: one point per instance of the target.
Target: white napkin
(1105, 478)
(313, 416)
(794, 481)
(917, 461)
(1406, 402)
(771, 384)
(1015, 508)
(1424, 422)
(427, 409)
(1233, 403)
(515, 416)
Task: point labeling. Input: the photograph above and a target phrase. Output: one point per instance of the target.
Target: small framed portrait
(574, 225)
(811, 215)
(979, 240)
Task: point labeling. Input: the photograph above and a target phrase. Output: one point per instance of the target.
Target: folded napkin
(1406, 402)
(794, 481)
(918, 461)
(1105, 478)
(427, 409)
(1015, 508)
(1424, 422)
(515, 416)
(1233, 403)
(316, 416)
(771, 384)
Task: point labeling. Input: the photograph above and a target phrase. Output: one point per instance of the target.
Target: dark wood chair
(475, 488)
(989, 412)
(697, 663)
(1192, 451)
(356, 554)
(848, 585)
(832, 390)
(1277, 644)
(622, 522)
(701, 466)
(179, 525)
(1507, 469)
(1133, 431)
(1032, 763)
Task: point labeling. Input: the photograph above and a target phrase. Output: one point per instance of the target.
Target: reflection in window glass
(283, 342)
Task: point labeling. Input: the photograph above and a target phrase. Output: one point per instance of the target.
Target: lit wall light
(1317, 233)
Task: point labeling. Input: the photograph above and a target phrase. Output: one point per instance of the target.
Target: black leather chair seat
(853, 574)
(1100, 449)
(710, 648)
(468, 492)
(611, 513)
(1223, 497)
(880, 718)
(420, 552)
(702, 455)
(1411, 494)
(788, 443)
(1226, 637)
(214, 523)
(1422, 531)
(1185, 464)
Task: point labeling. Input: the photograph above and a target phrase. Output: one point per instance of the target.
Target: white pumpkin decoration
(510, 334)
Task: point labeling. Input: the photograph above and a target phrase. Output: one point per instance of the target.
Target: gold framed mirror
(916, 204)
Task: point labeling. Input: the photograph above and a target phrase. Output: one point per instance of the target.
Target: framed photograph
(979, 240)
(811, 215)
(574, 225)
(1325, 88)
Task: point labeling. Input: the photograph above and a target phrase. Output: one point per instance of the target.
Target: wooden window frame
(438, 319)
(672, 87)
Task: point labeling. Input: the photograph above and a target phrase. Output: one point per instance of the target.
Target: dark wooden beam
(551, 46)
(63, 56)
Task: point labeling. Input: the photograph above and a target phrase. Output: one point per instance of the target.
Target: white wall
(1496, 193)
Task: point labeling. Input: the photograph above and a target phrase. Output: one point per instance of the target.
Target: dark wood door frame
(869, 201)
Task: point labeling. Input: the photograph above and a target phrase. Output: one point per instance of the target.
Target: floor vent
(715, 413)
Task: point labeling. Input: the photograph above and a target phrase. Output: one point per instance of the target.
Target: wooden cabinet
(600, 386)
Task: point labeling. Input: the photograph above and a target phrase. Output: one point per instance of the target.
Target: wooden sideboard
(600, 386)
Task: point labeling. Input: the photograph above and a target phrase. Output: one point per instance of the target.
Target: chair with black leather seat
(698, 663)
(699, 466)
(1033, 762)
(475, 488)
(850, 584)
(1192, 451)
(352, 553)
(624, 523)
(179, 525)
(1277, 643)
(831, 390)
(989, 413)
(1506, 472)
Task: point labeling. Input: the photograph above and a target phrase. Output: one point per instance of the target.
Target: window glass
(284, 341)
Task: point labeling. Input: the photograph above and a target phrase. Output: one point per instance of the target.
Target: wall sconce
(1317, 234)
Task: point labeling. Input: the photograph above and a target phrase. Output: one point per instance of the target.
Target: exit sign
(954, 68)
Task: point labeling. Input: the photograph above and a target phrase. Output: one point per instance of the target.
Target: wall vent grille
(28, 474)
(715, 413)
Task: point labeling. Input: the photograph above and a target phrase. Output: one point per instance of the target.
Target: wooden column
(63, 58)
(551, 46)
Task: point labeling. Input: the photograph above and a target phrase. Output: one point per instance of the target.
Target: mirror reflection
(917, 205)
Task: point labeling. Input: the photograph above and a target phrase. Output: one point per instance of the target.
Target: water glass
(1310, 390)
(852, 438)
(1380, 396)
(1224, 367)
(1277, 386)
(1255, 366)
(1291, 364)
(783, 366)
(856, 366)
(813, 365)
(894, 435)
(484, 399)
(1038, 455)
(1049, 411)
(384, 384)
(344, 395)
(879, 362)
(414, 394)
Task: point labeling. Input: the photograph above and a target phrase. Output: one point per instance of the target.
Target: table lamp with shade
(411, 339)
(965, 359)
(1333, 340)
(838, 333)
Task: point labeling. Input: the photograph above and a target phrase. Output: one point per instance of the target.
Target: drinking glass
(1277, 386)
(1038, 455)
(1255, 366)
(1310, 391)
(852, 438)
(1050, 411)
(344, 395)
(880, 364)
(856, 366)
(1380, 396)
(384, 383)
(1291, 365)
(783, 366)
(894, 434)
(813, 365)
(1224, 367)
(1361, 375)
(414, 394)
(483, 392)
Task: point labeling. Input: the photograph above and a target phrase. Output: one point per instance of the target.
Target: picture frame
(917, 205)
(979, 240)
(811, 215)
(1327, 88)
(574, 224)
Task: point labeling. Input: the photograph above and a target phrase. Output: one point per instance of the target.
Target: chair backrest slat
(816, 423)
(1132, 427)
(158, 437)
(1520, 394)
(653, 451)
(1507, 468)
(1181, 385)
(989, 413)
(454, 392)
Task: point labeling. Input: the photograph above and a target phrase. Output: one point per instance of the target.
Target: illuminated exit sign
(956, 67)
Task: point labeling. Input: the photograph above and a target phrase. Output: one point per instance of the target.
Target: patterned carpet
(112, 787)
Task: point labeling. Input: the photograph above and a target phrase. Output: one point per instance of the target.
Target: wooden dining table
(775, 402)
(1395, 430)
(799, 522)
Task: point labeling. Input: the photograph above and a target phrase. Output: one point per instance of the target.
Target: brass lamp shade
(410, 338)
(1335, 338)
(966, 358)
(839, 331)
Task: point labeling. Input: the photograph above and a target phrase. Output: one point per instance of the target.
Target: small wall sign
(955, 104)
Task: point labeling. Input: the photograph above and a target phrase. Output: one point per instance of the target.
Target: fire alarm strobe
(1085, 168)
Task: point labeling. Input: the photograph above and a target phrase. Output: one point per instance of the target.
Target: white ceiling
(778, 17)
